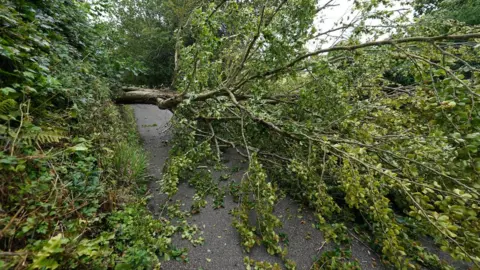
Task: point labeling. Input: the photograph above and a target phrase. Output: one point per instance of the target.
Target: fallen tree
(334, 127)
(163, 98)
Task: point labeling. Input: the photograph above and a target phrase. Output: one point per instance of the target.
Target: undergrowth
(82, 203)
(72, 169)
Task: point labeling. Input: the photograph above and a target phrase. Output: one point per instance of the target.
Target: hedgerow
(68, 196)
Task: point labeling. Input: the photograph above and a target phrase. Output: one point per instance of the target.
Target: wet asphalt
(222, 248)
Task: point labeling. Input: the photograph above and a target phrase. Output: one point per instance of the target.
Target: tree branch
(360, 46)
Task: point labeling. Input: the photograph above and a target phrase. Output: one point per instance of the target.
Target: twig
(6, 253)
(216, 9)
(17, 134)
(11, 221)
(216, 141)
(356, 47)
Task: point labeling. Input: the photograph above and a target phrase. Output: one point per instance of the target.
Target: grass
(130, 162)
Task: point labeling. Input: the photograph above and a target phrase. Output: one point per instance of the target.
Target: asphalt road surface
(222, 248)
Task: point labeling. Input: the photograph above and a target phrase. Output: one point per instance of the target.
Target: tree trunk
(163, 98)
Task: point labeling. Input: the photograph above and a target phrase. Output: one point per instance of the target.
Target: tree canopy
(460, 10)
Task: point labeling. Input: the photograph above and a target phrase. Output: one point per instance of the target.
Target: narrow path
(222, 249)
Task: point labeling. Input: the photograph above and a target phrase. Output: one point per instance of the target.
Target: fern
(7, 106)
(50, 137)
(3, 131)
(43, 136)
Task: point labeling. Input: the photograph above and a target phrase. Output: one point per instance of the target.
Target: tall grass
(130, 163)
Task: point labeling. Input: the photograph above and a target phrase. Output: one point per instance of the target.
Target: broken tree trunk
(163, 98)
(167, 99)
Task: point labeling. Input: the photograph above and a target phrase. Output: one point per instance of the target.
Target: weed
(130, 162)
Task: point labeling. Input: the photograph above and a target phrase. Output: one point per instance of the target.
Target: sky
(343, 9)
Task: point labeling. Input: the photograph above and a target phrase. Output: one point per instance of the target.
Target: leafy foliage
(143, 33)
(71, 196)
(262, 202)
(461, 10)
(384, 134)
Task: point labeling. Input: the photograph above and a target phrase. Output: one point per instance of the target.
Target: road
(222, 249)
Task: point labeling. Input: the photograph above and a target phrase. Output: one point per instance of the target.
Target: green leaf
(78, 148)
(7, 90)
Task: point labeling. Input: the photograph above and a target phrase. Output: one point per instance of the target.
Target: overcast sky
(343, 9)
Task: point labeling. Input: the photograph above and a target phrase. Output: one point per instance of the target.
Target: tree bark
(163, 98)
(166, 99)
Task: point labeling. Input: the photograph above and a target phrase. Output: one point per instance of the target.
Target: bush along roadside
(72, 189)
(71, 206)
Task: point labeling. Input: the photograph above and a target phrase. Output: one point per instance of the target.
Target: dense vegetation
(71, 167)
(465, 11)
(382, 136)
